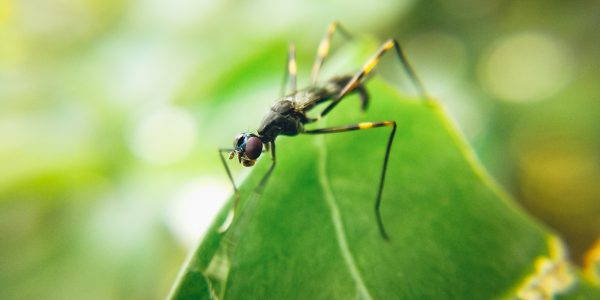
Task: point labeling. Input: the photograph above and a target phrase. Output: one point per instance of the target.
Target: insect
(289, 114)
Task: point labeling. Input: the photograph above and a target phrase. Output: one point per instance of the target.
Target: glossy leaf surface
(312, 234)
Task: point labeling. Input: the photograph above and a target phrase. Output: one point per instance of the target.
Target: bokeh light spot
(194, 207)
(527, 66)
(163, 136)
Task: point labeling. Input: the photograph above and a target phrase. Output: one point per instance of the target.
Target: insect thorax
(281, 119)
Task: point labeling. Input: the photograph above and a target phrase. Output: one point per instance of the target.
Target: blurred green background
(111, 113)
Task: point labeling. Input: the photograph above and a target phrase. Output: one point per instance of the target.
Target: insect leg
(236, 200)
(289, 77)
(360, 89)
(368, 67)
(225, 150)
(363, 126)
(263, 181)
(324, 47)
(233, 213)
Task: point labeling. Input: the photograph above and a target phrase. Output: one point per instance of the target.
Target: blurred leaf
(313, 233)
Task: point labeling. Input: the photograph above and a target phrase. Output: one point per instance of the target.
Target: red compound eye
(253, 147)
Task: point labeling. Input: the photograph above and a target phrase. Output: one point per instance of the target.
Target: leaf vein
(363, 292)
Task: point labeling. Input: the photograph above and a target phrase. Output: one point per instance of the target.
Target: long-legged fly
(289, 114)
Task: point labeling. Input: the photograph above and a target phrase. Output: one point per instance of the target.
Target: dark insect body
(289, 114)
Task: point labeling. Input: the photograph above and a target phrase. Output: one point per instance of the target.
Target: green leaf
(312, 234)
